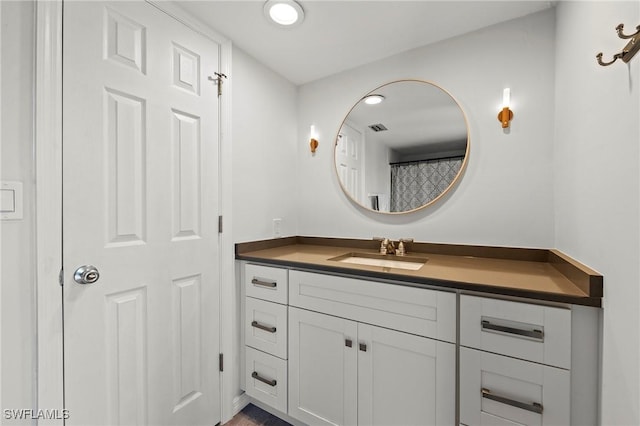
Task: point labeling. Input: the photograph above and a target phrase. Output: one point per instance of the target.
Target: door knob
(87, 274)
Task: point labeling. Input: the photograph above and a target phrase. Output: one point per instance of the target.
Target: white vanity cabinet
(342, 372)
(516, 363)
(358, 355)
(266, 334)
(329, 349)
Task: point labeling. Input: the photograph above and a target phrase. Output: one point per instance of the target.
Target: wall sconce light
(506, 115)
(313, 139)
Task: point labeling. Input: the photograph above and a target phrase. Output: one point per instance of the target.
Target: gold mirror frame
(439, 197)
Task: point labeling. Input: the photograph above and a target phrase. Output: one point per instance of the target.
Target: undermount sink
(386, 261)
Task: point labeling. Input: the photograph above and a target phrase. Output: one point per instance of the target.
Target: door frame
(48, 158)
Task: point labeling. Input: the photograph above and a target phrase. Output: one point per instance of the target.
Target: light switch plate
(277, 228)
(11, 200)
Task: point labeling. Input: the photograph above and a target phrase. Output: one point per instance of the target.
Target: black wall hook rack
(628, 51)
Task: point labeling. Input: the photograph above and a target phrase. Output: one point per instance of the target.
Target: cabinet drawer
(265, 282)
(265, 326)
(266, 379)
(499, 390)
(522, 330)
(428, 313)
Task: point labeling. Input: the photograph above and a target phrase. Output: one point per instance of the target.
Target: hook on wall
(628, 51)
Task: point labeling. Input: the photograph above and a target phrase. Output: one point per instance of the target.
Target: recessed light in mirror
(373, 99)
(285, 13)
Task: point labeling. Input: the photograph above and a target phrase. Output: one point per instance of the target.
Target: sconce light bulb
(506, 98)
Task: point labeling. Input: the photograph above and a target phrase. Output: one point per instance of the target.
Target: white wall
(18, 263)
(264, 150)
(264, 124)
(597, 182)
(505, 196)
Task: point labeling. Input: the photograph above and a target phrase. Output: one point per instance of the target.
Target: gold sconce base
(505, 116)
(313, 143)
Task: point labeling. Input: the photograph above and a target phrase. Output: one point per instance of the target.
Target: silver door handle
(256, 376)
(534, 407)
(256, 324)
(87, 274)
(534, 334)
(270, 284)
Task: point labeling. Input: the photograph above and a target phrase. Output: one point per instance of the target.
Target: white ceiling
(340, 35)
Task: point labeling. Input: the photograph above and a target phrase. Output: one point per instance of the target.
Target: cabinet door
(499, 390)
(404, 379)
(323, 373)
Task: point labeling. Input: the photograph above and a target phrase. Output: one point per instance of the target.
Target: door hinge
(218, 81)
(221, 362)
(61, 277)
(219, 224)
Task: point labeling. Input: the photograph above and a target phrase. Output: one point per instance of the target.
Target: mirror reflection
(402, 147)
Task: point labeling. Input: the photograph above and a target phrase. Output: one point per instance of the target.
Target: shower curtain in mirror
(415, 183)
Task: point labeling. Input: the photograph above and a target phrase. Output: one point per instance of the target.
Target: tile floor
(254, 416)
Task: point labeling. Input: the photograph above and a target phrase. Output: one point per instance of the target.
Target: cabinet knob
(348, 343)
(363, 347)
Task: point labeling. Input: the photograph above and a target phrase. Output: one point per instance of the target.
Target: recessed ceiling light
(373, 99)
(286, 13)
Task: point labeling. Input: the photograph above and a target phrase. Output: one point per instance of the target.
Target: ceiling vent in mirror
(378, 127)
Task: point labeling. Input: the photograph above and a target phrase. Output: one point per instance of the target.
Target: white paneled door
(140, 140)
(349, 162)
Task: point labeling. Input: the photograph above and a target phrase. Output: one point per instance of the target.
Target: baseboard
(239, 402)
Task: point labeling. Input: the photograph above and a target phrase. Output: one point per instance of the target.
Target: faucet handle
(383, 244)
(401, 248)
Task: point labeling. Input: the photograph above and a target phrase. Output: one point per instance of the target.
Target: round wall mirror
(402, 147)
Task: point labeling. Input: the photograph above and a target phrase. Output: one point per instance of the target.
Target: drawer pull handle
(363, 347)
(270, 284)
(256, 324)
(533, 407)
(534, 334)
(348, 343)
(256, 376)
